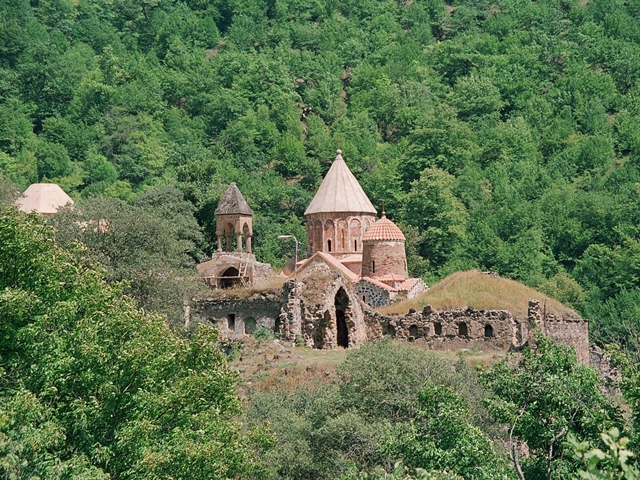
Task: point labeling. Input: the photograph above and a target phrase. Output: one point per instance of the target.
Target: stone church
(342, 232)
(355, 262)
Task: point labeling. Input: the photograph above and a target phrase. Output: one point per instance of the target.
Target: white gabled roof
(340, 192)
(43, 198)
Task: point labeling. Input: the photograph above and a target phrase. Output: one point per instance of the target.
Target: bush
(263, 333)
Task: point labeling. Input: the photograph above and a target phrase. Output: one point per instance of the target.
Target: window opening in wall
(249, 325)
(462, 330)
(231, 321)
(328, 245)
(413, 331)
(373, 266)
(437, 328)
(355, 244)
(488, 331)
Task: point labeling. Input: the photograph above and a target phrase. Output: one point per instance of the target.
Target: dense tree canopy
(504, 132)
(91, 387)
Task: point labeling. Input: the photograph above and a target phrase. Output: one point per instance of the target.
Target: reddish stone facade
(337, 233)
(381, 258)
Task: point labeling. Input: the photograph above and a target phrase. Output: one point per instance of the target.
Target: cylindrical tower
(383, 254)
(339, 214)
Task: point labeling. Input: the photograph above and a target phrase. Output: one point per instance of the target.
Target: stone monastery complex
(355, 264)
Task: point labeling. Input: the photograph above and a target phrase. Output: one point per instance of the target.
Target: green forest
(500, 135)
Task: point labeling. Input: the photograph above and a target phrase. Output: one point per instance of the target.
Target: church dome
(383, 230)
(340, 192)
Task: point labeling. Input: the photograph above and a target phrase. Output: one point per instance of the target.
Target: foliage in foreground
(91, 387)
(546, 397)
(390, 403)
(611, 464)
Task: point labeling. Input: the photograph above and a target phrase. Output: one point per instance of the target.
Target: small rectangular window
(231, 321)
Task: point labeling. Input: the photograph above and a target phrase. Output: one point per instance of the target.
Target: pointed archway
(342, 305)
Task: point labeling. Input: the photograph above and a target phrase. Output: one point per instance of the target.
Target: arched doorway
(488, 331)
(230, 278)
(342, 304)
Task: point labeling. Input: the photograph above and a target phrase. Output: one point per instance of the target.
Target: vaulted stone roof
(233, 203)
(383, 229)
(340, 192)
(43, 198)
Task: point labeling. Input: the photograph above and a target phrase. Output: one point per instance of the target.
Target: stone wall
(383, 257)
(239, 317)
(447, 329)
(322, 310)
(570, 330)
(372, 294)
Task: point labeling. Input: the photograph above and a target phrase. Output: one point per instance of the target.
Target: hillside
(500, 135)
(481, 291)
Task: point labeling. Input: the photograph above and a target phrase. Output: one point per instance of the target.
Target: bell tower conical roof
(340, 192)
(233, 203)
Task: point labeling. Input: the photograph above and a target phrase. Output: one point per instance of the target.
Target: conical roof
(43, 198)
(233, 203)
(340, 192)
(383, 229)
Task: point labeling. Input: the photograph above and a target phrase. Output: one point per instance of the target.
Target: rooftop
(43, 198)
(383, 229)
(233, 203)
(340, 192)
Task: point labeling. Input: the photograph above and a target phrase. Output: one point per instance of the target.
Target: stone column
(239, 242)
(228, 237)
(219, 243)
(248, 244)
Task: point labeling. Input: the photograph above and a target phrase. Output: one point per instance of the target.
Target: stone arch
(317, 237)
(230, 278)
(413, 331)
(228, 231)
(341, 304)
(247, 233)
(355, 234)
(463, 330)
(249, 325)
(488, 331)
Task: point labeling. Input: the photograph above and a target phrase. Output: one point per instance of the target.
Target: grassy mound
(482, 292)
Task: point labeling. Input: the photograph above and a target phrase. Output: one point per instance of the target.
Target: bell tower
(234, 218)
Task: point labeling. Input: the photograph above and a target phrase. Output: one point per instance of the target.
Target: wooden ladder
(242, 273)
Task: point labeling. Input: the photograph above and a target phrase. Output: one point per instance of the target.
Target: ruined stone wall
(373, 295)
(315, 311)
(447, 329)
(573, 332)
(418, 288)
(383, 257)
(570, 330)
(238, 317)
